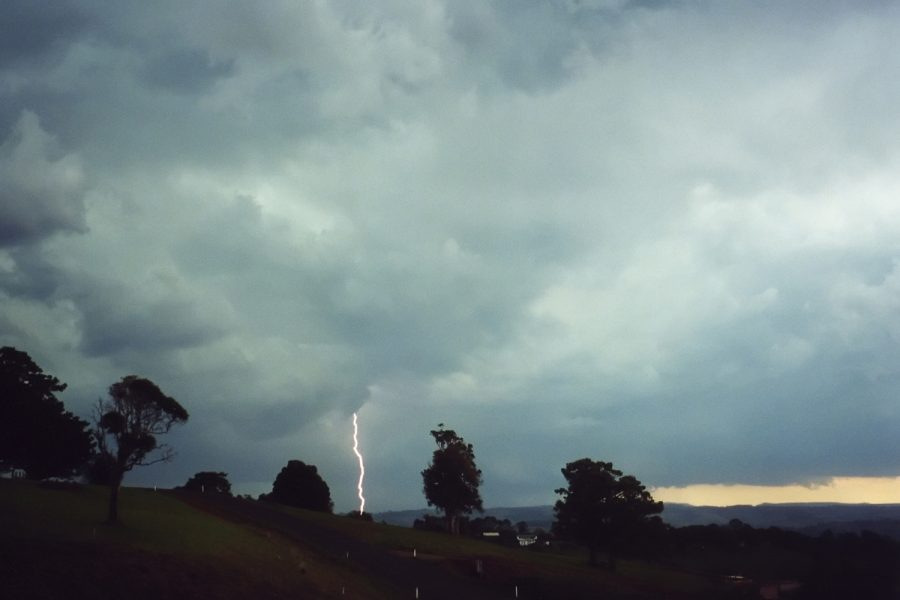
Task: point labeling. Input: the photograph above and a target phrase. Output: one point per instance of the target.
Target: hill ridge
(809, 517)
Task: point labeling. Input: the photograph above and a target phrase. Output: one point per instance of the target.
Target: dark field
(178, 545)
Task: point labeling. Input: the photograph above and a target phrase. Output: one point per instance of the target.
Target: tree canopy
(452, 479)
(210, 482)
(602, 507)
(127, 425)
(36, 432)
(299, 484)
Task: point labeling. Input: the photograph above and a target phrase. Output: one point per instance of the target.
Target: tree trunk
(452, 522)
(112, 515)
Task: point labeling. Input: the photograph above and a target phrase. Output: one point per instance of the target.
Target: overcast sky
(662, 234)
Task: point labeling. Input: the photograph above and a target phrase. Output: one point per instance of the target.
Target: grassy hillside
(56, 545)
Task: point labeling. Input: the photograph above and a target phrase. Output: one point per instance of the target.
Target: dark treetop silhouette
(299, 484)
(602, 507)
(126, 427)
(451, 481)
(210, 482)
(36, 432)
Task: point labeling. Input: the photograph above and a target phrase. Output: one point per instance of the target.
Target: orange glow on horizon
(849, 490)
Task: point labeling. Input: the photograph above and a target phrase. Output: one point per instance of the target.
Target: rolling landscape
(812, 518)
(178, 544)
(611, 286)
(171, 545)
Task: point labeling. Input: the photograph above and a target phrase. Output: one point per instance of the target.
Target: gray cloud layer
(662, 234)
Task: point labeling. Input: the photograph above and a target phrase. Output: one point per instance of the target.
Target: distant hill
(808, 518)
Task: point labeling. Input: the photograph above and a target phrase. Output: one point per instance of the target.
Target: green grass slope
(549, 573)
(54, 544)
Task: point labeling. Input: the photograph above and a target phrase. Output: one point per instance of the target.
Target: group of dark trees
(613, 515)
(297, 484)
(601, 507)
(39, 435)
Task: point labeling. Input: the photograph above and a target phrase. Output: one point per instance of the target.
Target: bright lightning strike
(362, 469)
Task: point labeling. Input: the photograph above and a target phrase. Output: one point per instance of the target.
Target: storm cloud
(664, 234)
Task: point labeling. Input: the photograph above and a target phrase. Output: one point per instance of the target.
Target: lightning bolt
(362, 468)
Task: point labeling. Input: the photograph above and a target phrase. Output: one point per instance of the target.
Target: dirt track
(400, 573)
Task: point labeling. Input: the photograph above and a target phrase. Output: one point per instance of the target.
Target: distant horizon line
(426, 510)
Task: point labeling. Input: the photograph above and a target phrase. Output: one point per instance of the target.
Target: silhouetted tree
(451, 481)
(210, 482)
(601, 507)
(364, 516)
(299, 484)
(36, 432)
(126, 427)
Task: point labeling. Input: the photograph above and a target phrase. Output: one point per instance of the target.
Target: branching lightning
(362, 468)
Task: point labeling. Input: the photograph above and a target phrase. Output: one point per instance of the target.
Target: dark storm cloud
(117, 321)
(662, 234)
(32, 33)
(42, 190)
(31, 275)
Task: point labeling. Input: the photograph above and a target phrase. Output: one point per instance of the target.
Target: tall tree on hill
(126, 427)
(299, 484)
(451, 481)
(601, 507)
(36, 432)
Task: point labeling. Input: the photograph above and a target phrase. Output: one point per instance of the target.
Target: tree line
(39, 436)
(601, 508)
(598, 505)
(46, 440)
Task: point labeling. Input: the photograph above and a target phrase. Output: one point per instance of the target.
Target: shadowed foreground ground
(397, 572)
(173, 545)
